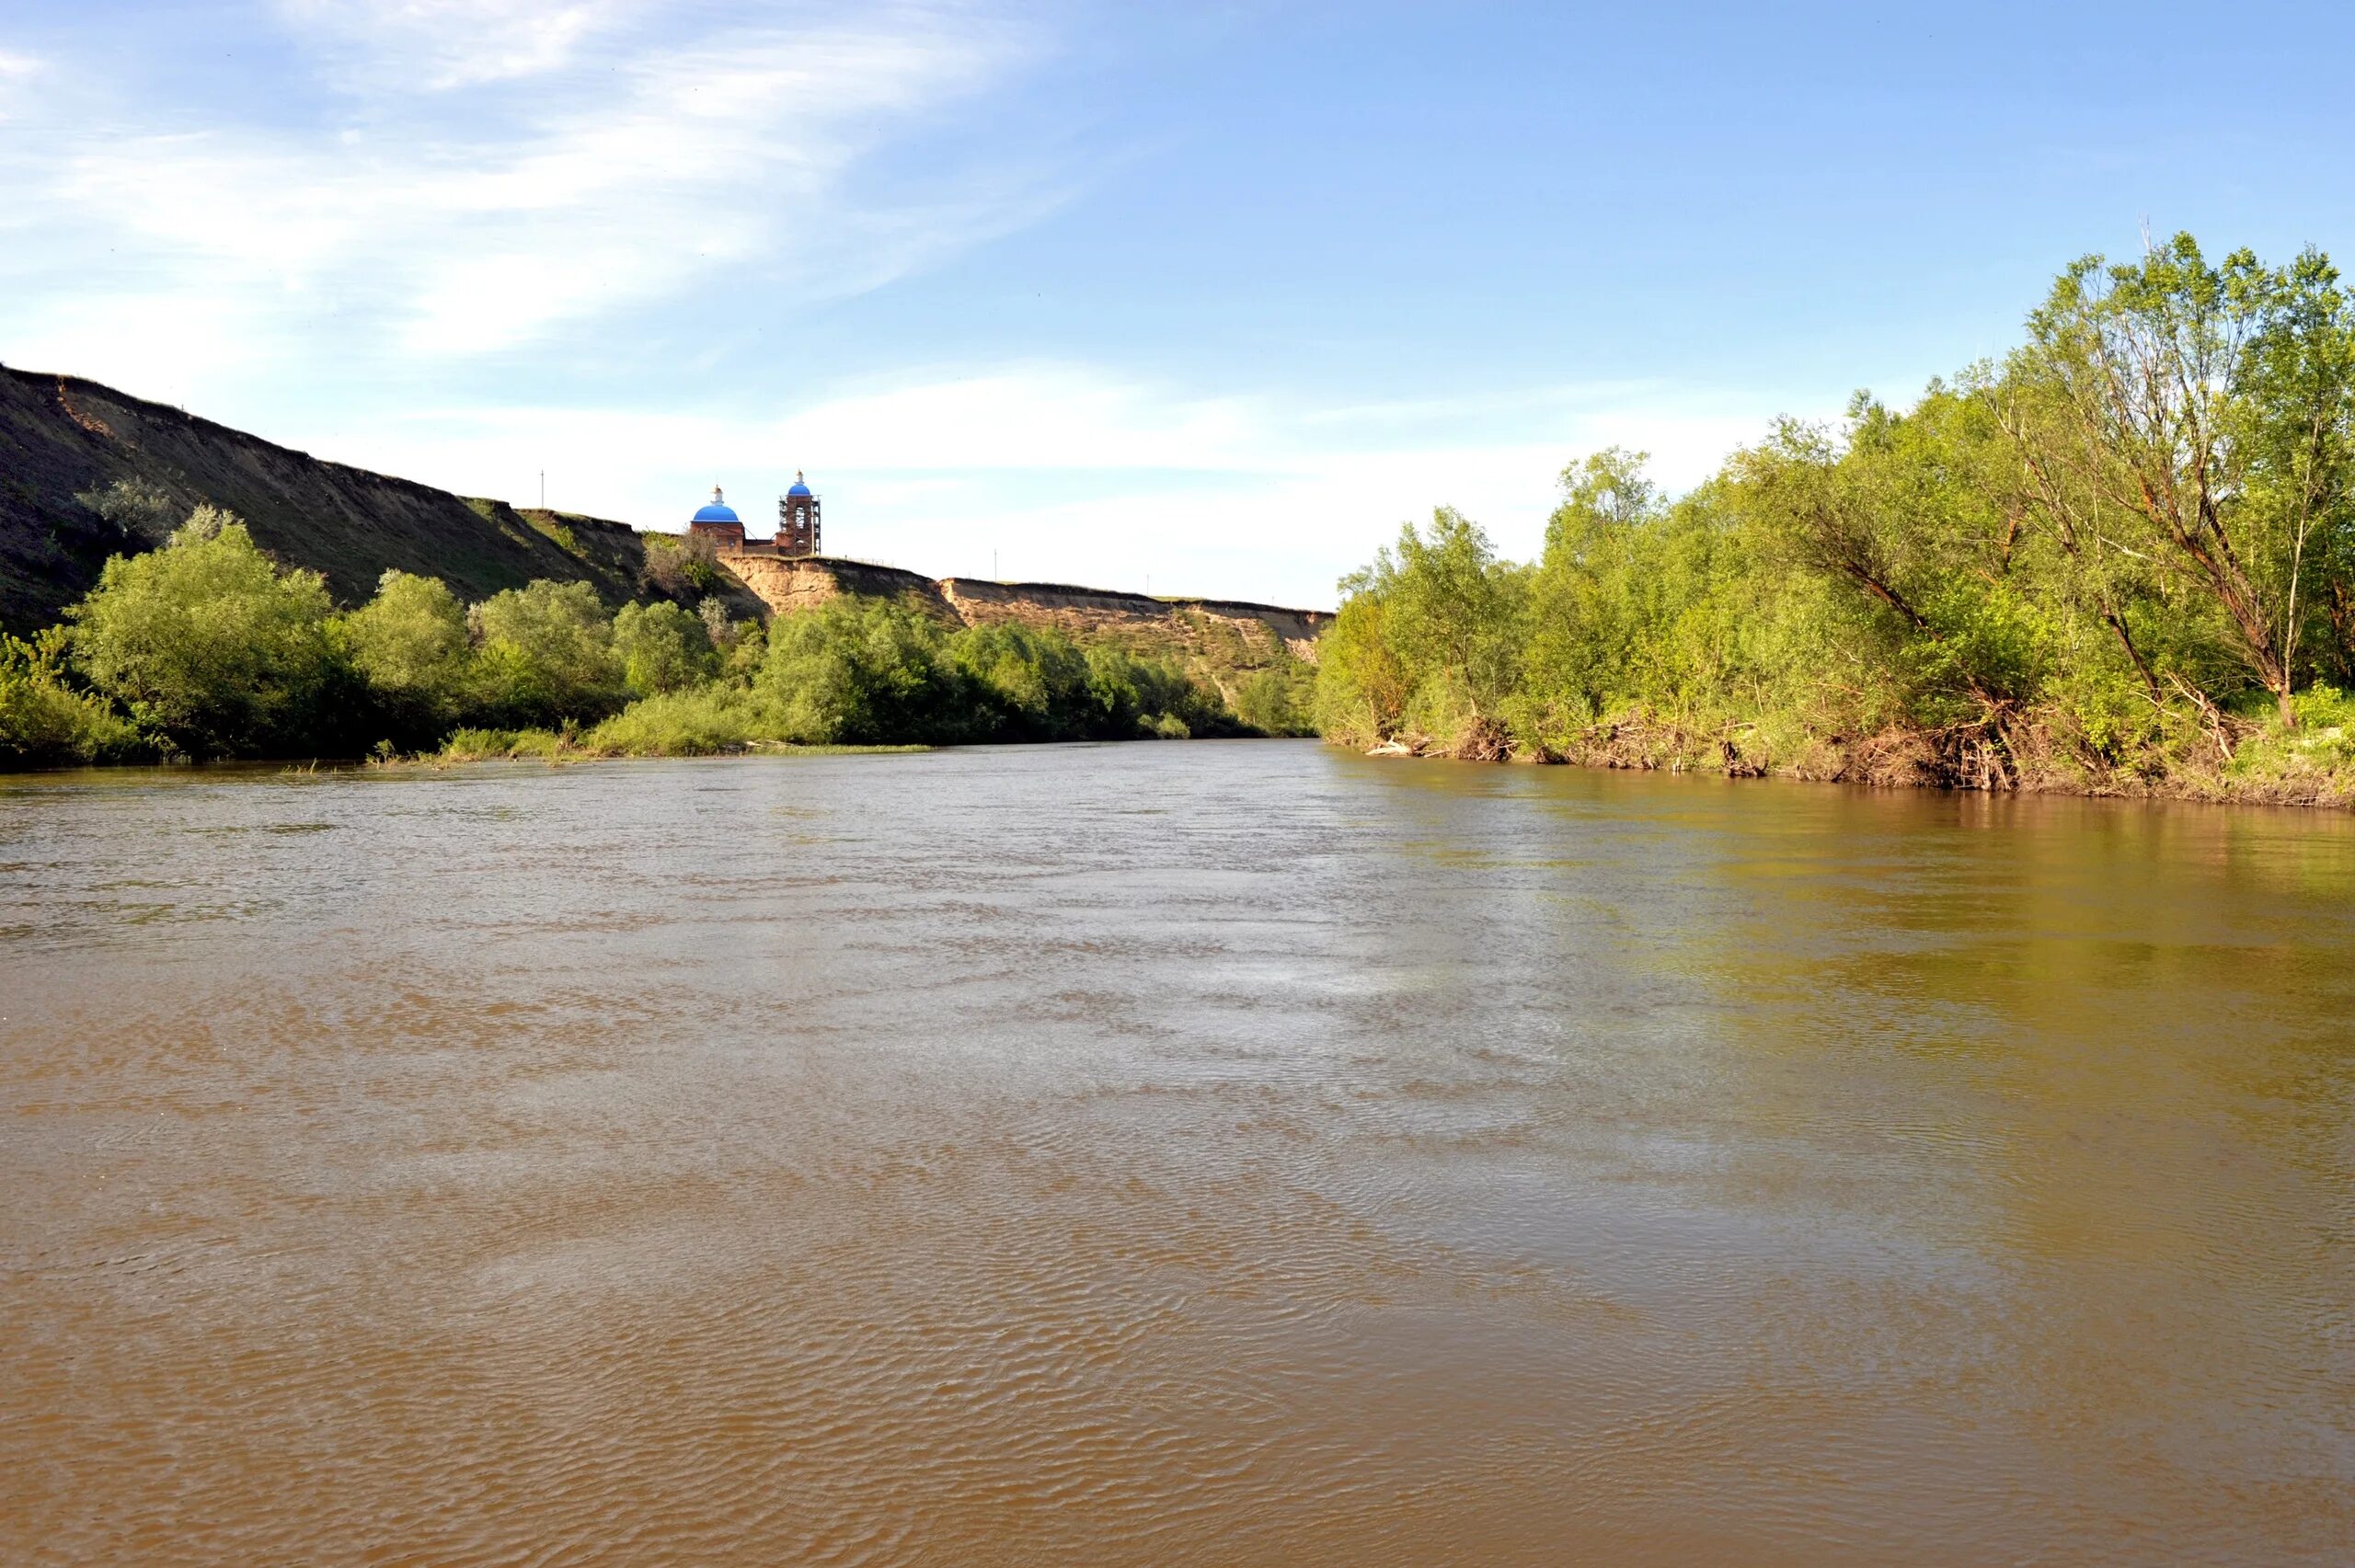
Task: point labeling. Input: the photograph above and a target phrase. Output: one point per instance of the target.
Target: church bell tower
(797, 519)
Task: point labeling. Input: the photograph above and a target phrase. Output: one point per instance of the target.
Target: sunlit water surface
(1214, 1154)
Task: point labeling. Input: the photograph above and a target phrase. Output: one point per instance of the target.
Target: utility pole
(544, 490)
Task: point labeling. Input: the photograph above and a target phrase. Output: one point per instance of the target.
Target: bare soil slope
(60, 436)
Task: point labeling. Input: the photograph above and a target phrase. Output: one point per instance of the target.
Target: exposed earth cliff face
(62, 437)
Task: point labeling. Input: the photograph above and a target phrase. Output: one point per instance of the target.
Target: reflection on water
(1167, 1154)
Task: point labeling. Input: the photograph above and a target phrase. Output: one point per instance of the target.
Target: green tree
(1279, 699)
(411, 643)
(867, 671)
(1449, 619)
(680, 567)
(1584, 626)
(210, 645)
(44, 722)
(2209, 410)
(135, 508)
(661, 648)
(1917, 516)
(1361, 689)
(544, 655)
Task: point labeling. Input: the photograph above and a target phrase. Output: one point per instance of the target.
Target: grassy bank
(558, 746)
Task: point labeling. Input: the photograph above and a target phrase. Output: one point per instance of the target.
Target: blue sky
(1212, 296)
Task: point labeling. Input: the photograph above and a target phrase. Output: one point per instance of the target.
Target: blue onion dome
(715, 513)
(800, 488)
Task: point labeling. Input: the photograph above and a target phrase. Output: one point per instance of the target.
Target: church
(797, 525)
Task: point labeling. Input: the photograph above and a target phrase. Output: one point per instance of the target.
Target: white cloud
(1069, 472)
(15, 70)
(440, 44)
(395, 228)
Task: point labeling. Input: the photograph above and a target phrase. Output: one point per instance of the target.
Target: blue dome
(715, 513)
(798, 488)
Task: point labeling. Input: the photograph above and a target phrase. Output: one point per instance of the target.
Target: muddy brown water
(1216, 1153)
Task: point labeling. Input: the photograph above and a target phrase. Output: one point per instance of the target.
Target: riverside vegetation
(206, 647)
(2120, 559)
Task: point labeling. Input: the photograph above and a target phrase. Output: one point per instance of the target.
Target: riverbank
(2239, 758)
(207, 648)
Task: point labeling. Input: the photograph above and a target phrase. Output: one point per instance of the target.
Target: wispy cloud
(626, 174)
(435, 45)
(15, 72)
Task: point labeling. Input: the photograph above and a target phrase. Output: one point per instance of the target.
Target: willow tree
(2206, 421)
(1904, 512)
(210, 645)
(1449, 618)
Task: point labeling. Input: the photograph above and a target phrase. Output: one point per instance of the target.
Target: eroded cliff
(63, 439)
(1221, 640)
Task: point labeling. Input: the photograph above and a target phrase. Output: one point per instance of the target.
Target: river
(1211, 1153)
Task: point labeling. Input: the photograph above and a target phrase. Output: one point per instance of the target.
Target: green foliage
(661, 648)
(205, 648)
(544, 655)
(474, 744)
(2081, 565)
(211, 647)
(1361, 688)
(1440, 652)
(2199, 418)
(863, 670)
(1279, 699)
(1130, 696)
(1034, 682)
(747, 653)
(44, 721)
(411, 646)
(705, 721)
(556, 533)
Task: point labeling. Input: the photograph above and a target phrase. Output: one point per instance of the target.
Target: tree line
(207, 648)
(2122, 555)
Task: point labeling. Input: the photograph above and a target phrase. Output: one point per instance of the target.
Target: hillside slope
(60, 436)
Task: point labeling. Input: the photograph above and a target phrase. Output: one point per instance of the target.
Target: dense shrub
(212, 649)
(207, 648)
(411, 646)
(45, 722)
(1279, 699)
(661, 648)
(864, 670)
(679, 567)
(700, 722)
(135, 508)
(543, 656)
